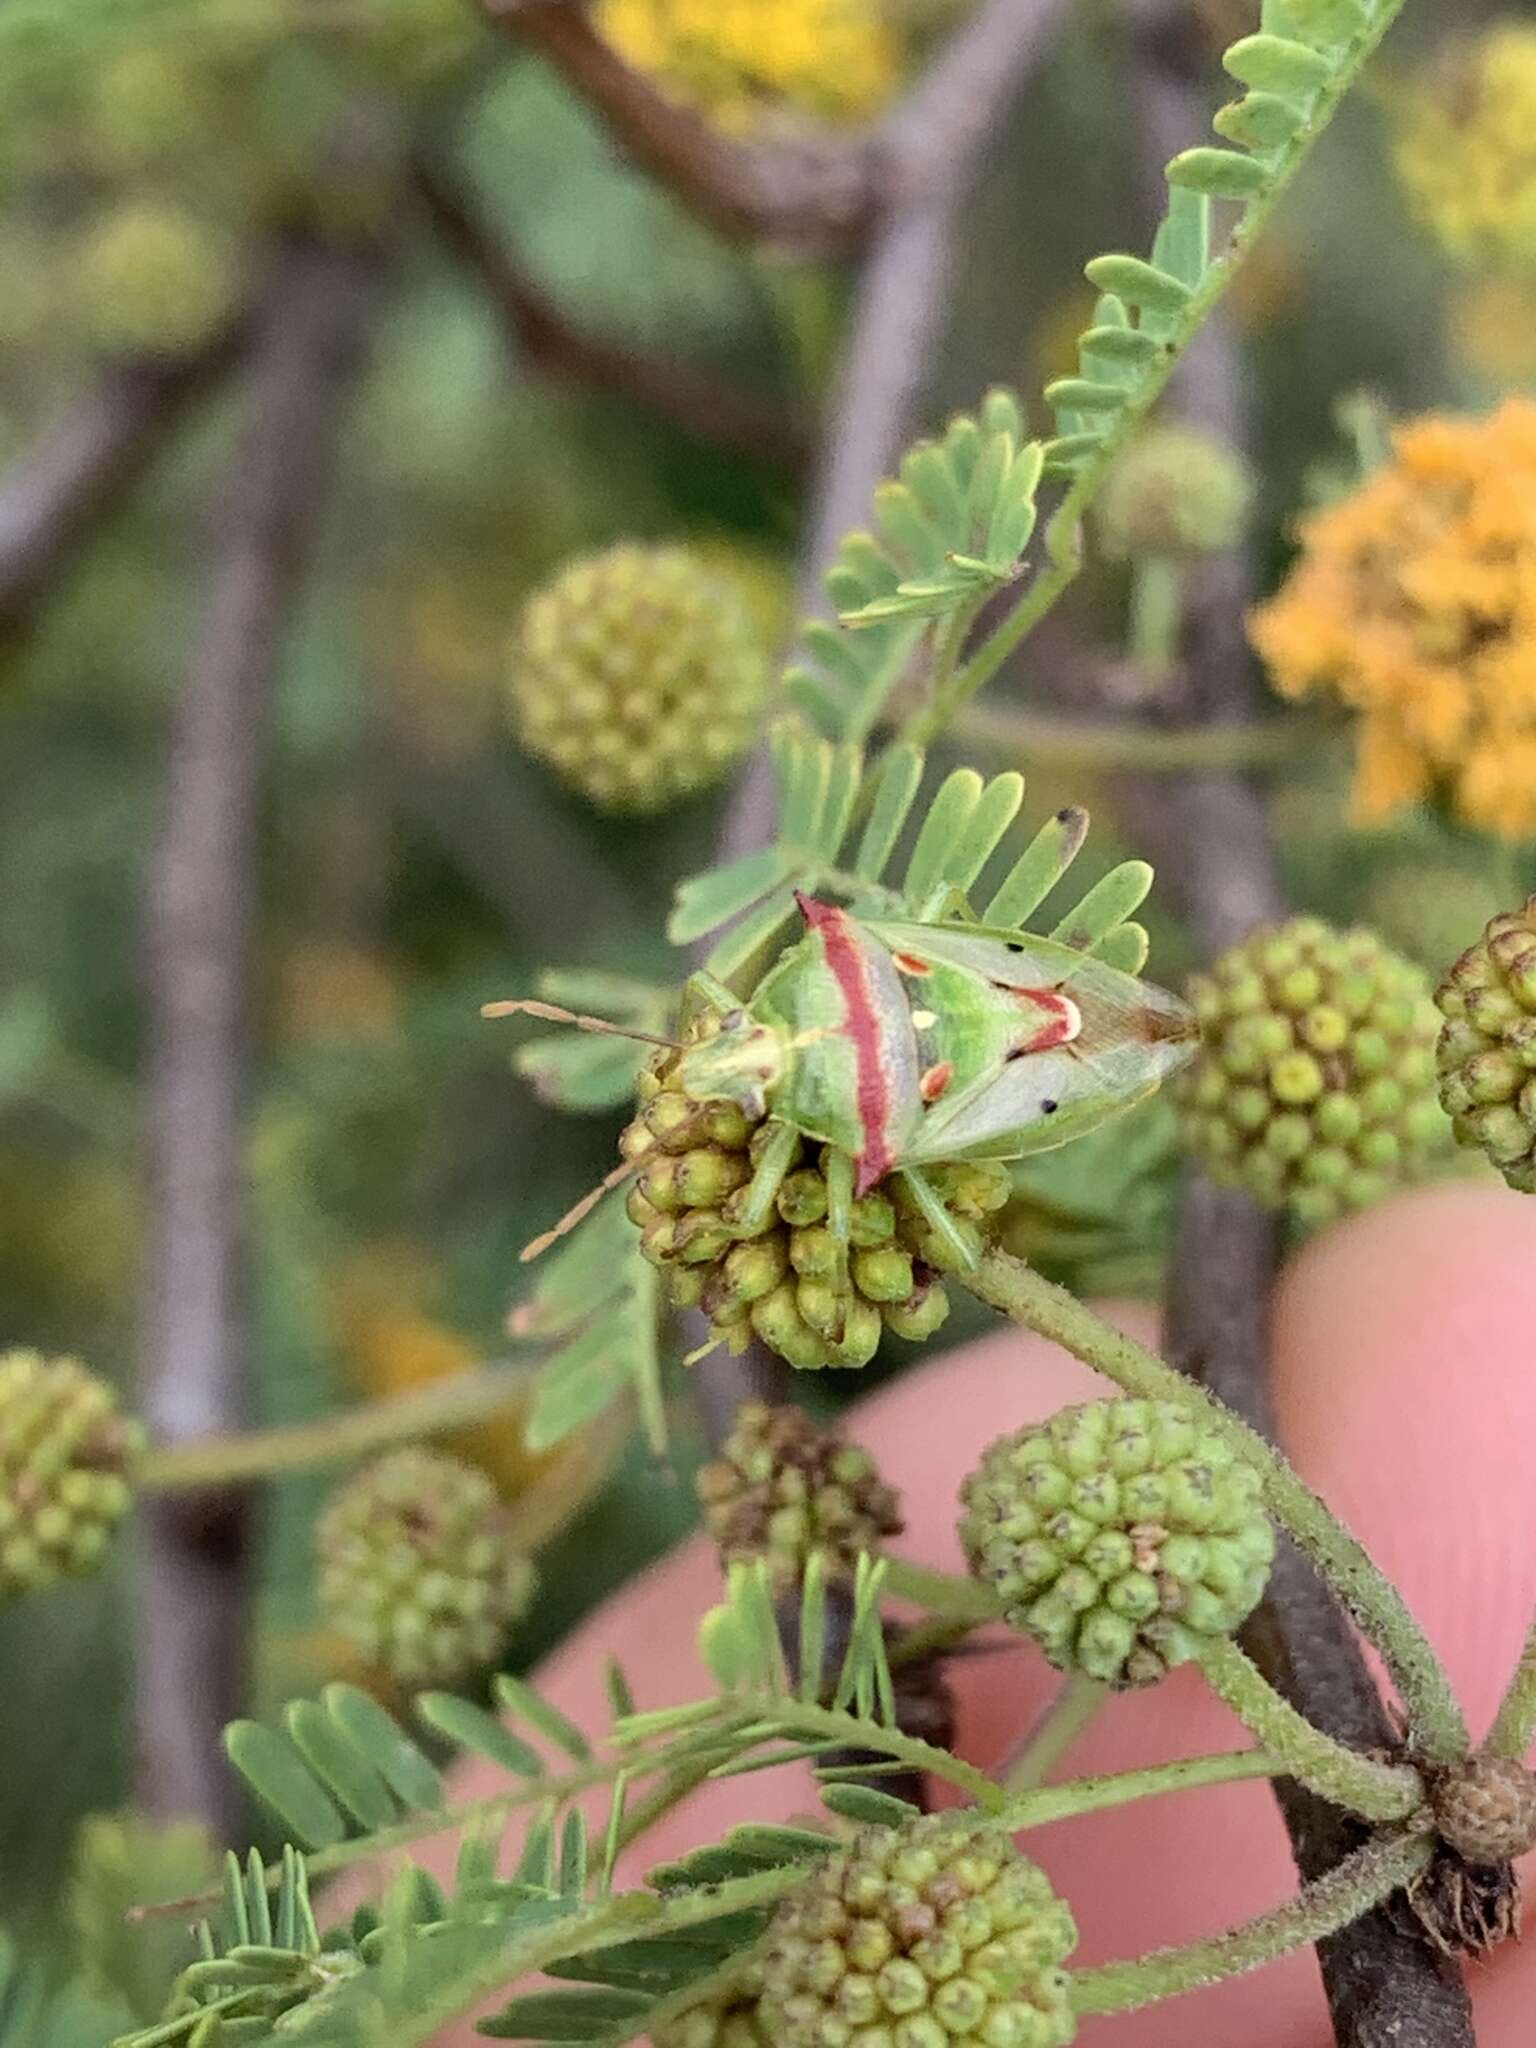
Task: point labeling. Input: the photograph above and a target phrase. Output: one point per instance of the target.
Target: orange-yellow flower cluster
(1414, 600)
(739, 60)
(1466, 149)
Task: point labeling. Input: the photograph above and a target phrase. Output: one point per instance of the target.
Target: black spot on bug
(1049, 1108)
(1014, 946)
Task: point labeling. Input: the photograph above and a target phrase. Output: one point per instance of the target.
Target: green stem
(1157, 614)
(1123, 1788)
(1348, 1892)
(954, 1596)
(1514, 1725)
(1077, 1702)
(1437, 1722)
(782, 1716)
(1062, 532)
(1110, 744)
(1359, 1784)
(944, 694)
(454, 1403)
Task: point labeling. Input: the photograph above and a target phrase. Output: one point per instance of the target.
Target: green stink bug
(898, 1044)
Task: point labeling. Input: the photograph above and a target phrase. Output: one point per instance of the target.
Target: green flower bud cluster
(151, 277)
(930, 1935)
(1119, 1534)
(1174, 492)
(732, 2019)
(418, 1567)
(782, 1283)
(639, 675)
(783, 1487)
(1314, 1085)
(1486, 1053)
(67, 1455)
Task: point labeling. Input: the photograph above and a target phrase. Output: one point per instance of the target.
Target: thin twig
(1383, 1979)
(77, 473)
(701, 402)
(189, 1642)
(815, 196)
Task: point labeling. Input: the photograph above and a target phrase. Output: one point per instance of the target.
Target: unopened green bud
(1486, 1053)
(1119, 1534)
(1313, 1088)
(418, 1567)
(67, 1459)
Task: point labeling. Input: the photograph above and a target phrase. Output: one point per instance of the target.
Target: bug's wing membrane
(1134, 1035)
(1005, 1117)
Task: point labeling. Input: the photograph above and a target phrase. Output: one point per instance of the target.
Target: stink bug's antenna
(551, 1013)
(584, 1207)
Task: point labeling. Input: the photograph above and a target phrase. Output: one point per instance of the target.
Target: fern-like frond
(818, 848)
(946, 533)
(593, 1312)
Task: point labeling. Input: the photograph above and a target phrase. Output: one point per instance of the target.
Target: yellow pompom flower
(739, 60)
(1466, 150)
(1414, 601)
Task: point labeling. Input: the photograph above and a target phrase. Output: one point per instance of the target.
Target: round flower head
(153, 278)
(781, 1282)
(638, 675)
(1175, 492)
(418, 1567)
(1314, 1085)
(66, 1469)
(1486, 1808)
(1414, 602)
(742, 62)
(1120, 1535)
(931, 1935)
(783, 1487)
(1487, 1048)
(1466, 149)
(730, 2019)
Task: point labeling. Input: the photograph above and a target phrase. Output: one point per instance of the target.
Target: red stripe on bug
(910, 964)
(861, 1023)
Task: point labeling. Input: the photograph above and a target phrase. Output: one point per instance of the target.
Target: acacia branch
(81, 468)
(699, 401)
(200, 907)
(815, 197)
(1384, 1982)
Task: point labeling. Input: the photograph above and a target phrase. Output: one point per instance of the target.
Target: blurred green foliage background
(413, 864)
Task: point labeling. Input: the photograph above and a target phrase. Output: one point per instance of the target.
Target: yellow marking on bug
(923, 1020)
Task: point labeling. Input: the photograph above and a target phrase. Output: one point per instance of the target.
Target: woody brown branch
(1384, 1981)
(200, 907)
(699, 401)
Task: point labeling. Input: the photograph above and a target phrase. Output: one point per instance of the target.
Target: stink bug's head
(743, 1062)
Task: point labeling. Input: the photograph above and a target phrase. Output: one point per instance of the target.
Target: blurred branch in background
(699, 401)
(815, 197)
(76, 475)
(1210, 834)
(304, 351)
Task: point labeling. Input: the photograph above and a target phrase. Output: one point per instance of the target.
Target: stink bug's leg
(838, 1168)
(936, 1216)
(763, 1188)
(584, 1207)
